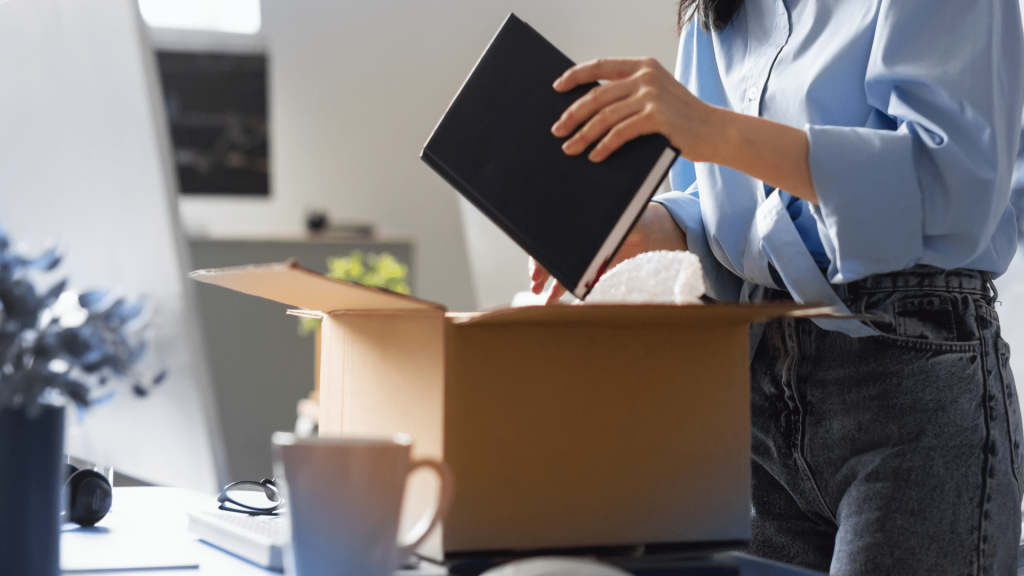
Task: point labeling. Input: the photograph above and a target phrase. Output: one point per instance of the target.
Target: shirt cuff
(684, 207)
(868, 198)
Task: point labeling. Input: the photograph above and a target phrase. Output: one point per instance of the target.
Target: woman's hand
(655, 230)
(640, 97)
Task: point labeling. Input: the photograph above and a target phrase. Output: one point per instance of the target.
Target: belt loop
(845, 291)
(991, 286)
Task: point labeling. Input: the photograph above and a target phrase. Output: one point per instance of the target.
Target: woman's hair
(712, 14)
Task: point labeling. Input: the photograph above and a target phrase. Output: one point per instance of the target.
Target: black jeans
(894, 454)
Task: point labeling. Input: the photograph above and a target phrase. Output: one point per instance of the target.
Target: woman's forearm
(771, 152)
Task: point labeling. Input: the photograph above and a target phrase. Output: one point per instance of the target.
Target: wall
(1011, 291)
(1011, 315)
(356, 88)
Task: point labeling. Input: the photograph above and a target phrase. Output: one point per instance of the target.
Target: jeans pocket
(1013, 420)
(918, 320)
(925, 318)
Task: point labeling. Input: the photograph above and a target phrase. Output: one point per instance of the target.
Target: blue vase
(31, 465)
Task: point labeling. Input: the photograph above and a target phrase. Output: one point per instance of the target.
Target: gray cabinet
(260, 365)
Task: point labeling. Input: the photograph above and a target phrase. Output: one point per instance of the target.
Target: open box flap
(289, 283)
(612, 314)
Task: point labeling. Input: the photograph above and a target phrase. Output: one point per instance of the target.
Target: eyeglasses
(253, 498)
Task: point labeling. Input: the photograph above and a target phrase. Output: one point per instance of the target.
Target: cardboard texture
(565, 426)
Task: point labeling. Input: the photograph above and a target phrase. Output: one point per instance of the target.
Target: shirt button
(754, 93)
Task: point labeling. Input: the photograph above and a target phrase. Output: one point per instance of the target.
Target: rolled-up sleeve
(948, 77)
(684, 207)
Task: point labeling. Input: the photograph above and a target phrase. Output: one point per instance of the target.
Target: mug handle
(408, 543)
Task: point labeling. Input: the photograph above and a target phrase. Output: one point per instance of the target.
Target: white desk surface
(153, 522)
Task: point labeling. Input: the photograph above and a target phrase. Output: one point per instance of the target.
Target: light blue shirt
(912, 110)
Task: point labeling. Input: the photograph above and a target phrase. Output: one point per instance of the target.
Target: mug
(344, 499)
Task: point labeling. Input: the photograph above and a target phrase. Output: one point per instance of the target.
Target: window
(239, 16)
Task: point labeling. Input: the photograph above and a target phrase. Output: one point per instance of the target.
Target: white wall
(356, 88)
(85, 163)
(1011, 316)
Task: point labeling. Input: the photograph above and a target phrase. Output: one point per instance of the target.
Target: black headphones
(87, 496)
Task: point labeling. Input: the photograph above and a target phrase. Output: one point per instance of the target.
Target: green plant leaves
(377, 270)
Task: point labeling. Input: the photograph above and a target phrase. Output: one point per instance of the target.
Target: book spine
(626, 222)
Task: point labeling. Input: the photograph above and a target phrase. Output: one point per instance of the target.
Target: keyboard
(258, 539)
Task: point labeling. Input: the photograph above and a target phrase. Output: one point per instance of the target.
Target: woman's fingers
(600, 69)
(632, 127)
(582, 109)
(640, 98)
(538, 277)
(606, 119)
(536, 270)
(557, 290)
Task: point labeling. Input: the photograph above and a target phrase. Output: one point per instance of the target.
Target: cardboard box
(565, 426)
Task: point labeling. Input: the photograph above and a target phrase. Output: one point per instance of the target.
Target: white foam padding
(660, 277)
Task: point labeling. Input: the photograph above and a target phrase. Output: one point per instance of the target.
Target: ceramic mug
(344, 498)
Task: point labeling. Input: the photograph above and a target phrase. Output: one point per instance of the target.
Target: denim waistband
(921, 277)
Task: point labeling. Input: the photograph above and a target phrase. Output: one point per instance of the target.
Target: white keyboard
(258, 539)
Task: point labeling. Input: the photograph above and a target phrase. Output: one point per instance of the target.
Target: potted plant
(56, 347)
(377, 270)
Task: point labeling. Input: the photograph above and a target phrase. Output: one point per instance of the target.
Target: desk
(147, 520)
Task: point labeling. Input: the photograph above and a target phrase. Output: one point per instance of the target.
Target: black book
(494, 145)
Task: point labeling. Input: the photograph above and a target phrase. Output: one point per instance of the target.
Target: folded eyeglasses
(253, 498)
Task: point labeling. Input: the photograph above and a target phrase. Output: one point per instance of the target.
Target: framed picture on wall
(216, 106)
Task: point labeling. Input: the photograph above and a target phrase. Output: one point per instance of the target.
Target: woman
(859, 153)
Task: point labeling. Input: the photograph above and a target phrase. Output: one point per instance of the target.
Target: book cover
(494, 145)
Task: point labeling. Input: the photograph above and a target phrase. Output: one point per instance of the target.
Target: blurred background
(147, 138)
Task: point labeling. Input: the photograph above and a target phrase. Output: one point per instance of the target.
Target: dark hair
(712, 14)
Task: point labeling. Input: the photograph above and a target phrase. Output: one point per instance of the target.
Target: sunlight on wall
(240, 16)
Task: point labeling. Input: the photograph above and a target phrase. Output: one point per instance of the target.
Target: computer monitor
(86, 163)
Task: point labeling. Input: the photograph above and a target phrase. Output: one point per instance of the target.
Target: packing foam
(660, 277)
